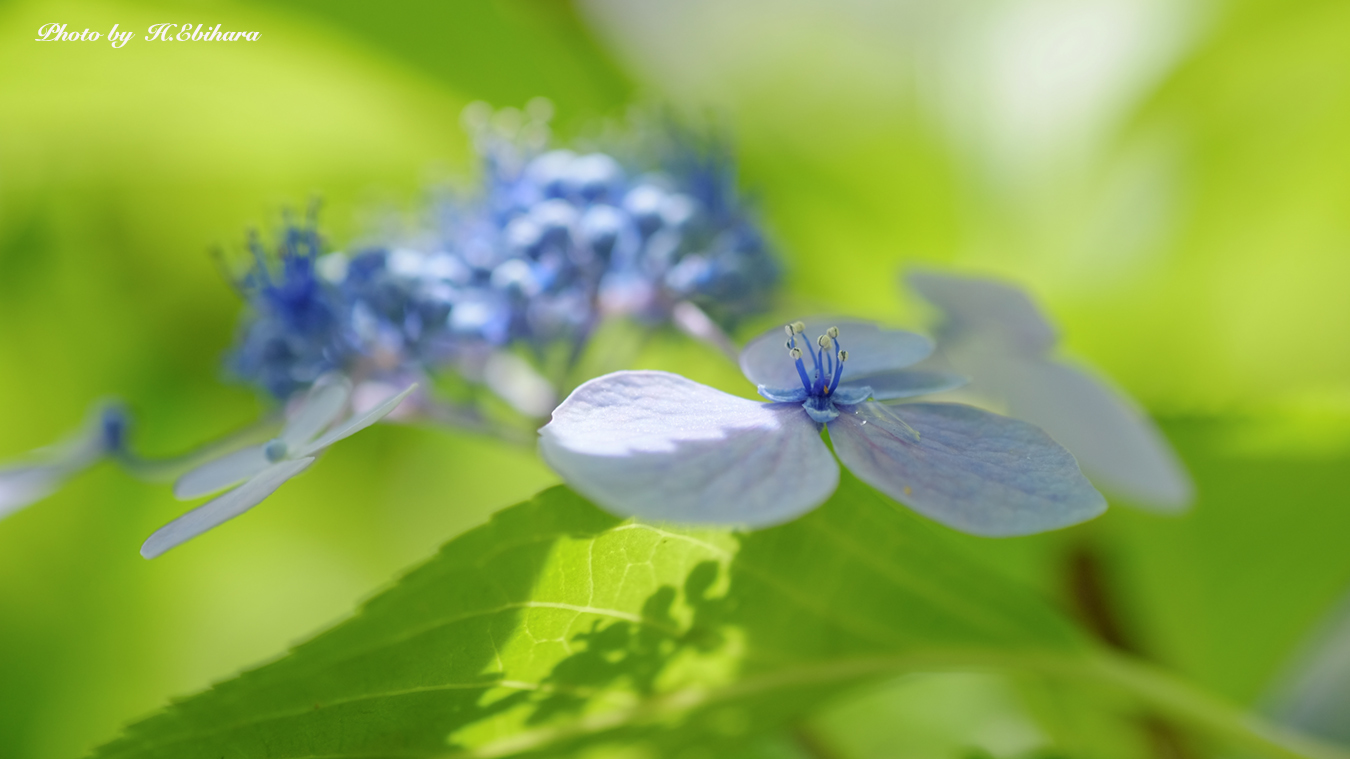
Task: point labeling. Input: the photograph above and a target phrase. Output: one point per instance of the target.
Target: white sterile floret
(995, 333)
(659, 446)
(23, 484)
(264, 468)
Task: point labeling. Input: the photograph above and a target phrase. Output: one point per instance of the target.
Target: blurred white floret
(993, 332)
(263, 468)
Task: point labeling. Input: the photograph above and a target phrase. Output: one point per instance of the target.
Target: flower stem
(1183, 702)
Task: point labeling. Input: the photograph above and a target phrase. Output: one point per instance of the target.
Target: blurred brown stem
(811, 744)
(1092, 599)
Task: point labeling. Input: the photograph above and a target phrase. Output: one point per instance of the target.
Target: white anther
(788, 329)
(833, 332)
(843, 356)
(799, 327)
(795, 353)
(823, 341)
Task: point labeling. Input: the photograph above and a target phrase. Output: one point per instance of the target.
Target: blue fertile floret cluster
(550, 243)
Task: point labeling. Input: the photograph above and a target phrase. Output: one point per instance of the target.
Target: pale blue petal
(658, 446)
(848, 395)
(971, 470)
(1313, 694)
(21, 486)
(994, 313)
(871, 349)
(221, 473)
(1116, 444)
(889, 386)
(784, 395)
(356, 424)
(27, 483)
(222, 509)
(320, 407)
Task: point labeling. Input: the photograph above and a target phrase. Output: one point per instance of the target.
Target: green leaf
(556, 627)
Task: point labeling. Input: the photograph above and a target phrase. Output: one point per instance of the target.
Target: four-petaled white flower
(264, 468)
(659, 446)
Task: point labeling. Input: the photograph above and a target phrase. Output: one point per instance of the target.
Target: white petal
(1313, 695)
(889, 386)
(218, 474)
(320, 406)
(355, 424)
(222, 509)
(1001, 316)
(872, 349)
(659, 446)
(1116, 444)
(972, 470)
(24, 485)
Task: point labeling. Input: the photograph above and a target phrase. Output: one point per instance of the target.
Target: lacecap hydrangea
(499, 283)
(525, 266)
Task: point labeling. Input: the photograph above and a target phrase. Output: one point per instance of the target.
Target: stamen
(823, 341)
(833, 332)
(799, 327)
(818, 386)
(843, 356)
(788, 329)
(796, 354)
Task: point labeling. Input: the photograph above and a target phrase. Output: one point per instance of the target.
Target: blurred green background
(1171, 179)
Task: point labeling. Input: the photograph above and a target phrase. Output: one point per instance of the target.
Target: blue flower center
(113, 429)
(821, 378)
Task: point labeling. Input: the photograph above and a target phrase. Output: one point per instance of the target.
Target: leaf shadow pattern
(636, 654)
(857, 591)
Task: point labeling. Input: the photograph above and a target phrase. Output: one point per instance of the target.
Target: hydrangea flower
(513, 275)
(103, 436)
(502, 291)
(996, 334)
(659, 446)
(264, 468)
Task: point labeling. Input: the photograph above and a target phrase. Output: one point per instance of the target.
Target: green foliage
(557, 628)
(556, 625)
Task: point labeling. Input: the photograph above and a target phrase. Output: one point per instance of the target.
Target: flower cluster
(551, 242)
(507, 278)
(503, 280)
